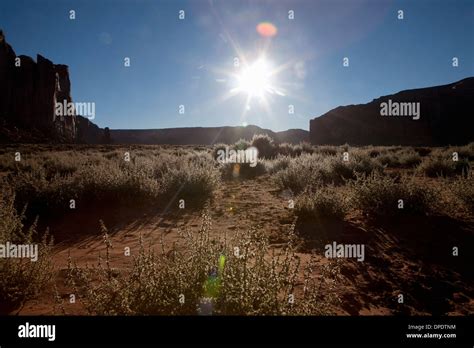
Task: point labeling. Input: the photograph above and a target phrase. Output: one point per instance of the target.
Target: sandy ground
(410, 257)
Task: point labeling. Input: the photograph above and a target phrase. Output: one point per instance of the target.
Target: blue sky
(185, 62)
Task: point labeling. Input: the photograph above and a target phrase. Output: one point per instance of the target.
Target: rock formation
(445, 118)
(29, 91)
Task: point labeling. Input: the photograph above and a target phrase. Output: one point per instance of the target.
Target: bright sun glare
(255, 80)
(259, 80)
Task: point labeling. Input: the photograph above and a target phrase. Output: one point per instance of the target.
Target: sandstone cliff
(445, 118)
(29, 91)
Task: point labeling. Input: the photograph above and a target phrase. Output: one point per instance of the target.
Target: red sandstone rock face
(64, 125)
(445, 118)
(28, 94)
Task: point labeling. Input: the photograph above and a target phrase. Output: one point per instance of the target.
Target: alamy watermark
(11, 250)
(28, 330)
(336, 250)
(393, 108)
(230, 155)
(86, 109)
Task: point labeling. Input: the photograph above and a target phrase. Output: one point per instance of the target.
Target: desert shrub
(422, 151)
(379, 195)
(301, 172)
(277, 164)
(389, 160)
(113, 155)
(194, 179)
(241, 144)
(336, 171)
(462, 166)
(465, 152)
(405, 158)
(327, 150)
(113, 182)
(8, 163)
(323, 203)
(207, 276)
(21, 279)
(265, 145)
(344, 148)
(394, 149)
(373, 152)
(61, 164)
(409, 159)
(316, 169)
(286, 149)
(306, 147)
(107, 181)
(463, 188)
(437, 166)
(48, 188)
(40, 194)
(364, 164)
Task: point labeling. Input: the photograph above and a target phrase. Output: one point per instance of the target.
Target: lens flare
(266, 29)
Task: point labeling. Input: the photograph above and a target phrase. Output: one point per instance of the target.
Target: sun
(258, 80)
(255, 79)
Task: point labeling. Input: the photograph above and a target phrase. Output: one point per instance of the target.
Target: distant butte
(445, 118)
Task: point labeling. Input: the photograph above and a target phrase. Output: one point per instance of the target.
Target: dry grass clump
(301, 172)
(265, 146)
(268, 149)
(104, 182)
(437, 167)
(463, 188)
(277, 164)
(465, 152)
(422, 151)
(242, 144)
(323, 203)
(389, 160)
(53, 179)
(409, 158)
(21, 279)
(403, 159)
(336, 170)
(304, 147)
(448, 161)
(327, 150)
(315, 170)
(379, 195)
(286, 149)
(242, 276)
(194, 179)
